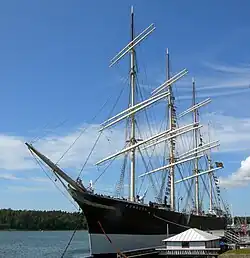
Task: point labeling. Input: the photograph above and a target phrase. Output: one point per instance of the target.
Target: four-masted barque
(130, 223)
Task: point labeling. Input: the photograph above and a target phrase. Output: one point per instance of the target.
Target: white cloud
(239, 178)
(109, 142)
(27, 184)
(214, 94)
(9, 177)
(14, 155)
(39, 179)
(234, 137)
(232, 132)
(219, 77)
(243, 69)
(20, 189)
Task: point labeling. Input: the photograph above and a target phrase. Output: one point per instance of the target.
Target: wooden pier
(145, 252)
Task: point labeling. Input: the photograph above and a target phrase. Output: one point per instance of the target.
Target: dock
(190, 243)
(145, 252)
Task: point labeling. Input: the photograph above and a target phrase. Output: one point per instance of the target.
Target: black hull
(121, 218)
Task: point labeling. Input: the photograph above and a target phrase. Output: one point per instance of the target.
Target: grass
(238, 251)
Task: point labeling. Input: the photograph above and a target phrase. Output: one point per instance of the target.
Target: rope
(147, 169)
(171, 222)
(81, 133)
(70, 240)
(91, 151)
(41, 166)
(104, 171)
(35, 139)
(103, 231)
(120, 184)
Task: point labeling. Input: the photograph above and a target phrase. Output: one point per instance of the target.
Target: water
(38, 244)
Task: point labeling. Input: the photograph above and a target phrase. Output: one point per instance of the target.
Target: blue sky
(54, 70)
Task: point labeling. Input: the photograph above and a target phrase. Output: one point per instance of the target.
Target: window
(208, 244)
(185, 244)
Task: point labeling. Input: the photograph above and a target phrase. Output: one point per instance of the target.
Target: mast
(132, 103)
(211, 185)
(165, 145)
(196, 165)
(168, 66)
(232, 215)
(172, 141)
(210, 166)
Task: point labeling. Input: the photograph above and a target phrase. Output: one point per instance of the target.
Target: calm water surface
(36, 244)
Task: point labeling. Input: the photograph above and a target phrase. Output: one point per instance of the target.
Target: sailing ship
(129, 223)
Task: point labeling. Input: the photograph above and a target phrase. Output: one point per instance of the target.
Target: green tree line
(41, 220)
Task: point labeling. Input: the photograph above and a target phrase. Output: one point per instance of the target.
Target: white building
(192, 242)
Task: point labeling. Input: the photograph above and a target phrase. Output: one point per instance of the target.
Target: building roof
(192, 234)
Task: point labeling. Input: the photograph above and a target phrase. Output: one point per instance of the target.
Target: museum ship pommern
(128, 223)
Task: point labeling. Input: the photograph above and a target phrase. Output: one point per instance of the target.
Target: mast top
(167, 51)
(132, 9)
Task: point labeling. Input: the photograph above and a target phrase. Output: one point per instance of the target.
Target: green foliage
(239, 251)
(236, 252)
(41, 220)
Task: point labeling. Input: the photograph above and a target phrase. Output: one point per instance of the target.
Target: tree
(41, 220)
